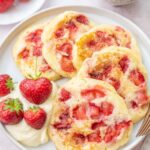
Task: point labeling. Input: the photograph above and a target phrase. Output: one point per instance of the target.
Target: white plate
(98, 16)
(20, 11)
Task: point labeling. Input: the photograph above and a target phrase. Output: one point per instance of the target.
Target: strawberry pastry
(101, 37)
(28, 54)
(89, 115)
(25, 110)
(122, 69)
(59, 38)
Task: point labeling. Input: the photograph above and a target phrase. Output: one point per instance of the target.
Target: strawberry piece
(45, 68)
(24, 53)
(106, 108)
(5, 5)
(6, 84)
(34, 36)
(64, 95)
(124, 63)
(128, 45)
(79, 138)
(92, 44)
(66, 64)
(122, 125)
(59, 33)
(141, 99)
(71, 26)
(119, 29)
(94, 111)
(79, 112)
(110, 134)
(136, 77)
(37, 50)
(114, 82)
(101, 74)
(97, 125)
(91, 94)
(94, 137)
(36, 91)
(65, 49)
(65, 121)
(82, 19)
(35, 117)
(11, 111)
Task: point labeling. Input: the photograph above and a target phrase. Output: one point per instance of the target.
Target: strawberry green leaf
(10, 84)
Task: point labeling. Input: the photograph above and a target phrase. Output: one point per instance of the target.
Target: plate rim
(29, 18)
(24, 18)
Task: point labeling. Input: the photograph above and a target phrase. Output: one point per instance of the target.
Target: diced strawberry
(34, 36)
(91, 44)
(66, 64)
(97, 125)
(94, 111)
(5, 5)
(91, 94)
(62, 125)
(59, 33)
(65, 121)
(37, 50)
(79, 112)
(134, 105)
(24, 53)
(65, 49)
(119, 29)
(114, 82)
(71, 26)
(110, 134)
(122, 125)
(136, 77)
(100, 34)
(82, 19)
(64, 95)
(94, 137)
(100, 75)
(45, 68)
(106, 108)
(79, 138)
(124, 63)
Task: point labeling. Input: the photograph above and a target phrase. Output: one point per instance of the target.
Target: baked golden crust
(100, 37)
(121, 68)
(73, 117)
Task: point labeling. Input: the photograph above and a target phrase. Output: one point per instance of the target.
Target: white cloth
(138, 12)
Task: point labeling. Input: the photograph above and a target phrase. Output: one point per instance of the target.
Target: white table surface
(138, 12)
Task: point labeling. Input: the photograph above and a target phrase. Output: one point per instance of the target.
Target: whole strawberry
(6, 84)
(35, 117)
(36, 91)
(11, 111)
(5, 5)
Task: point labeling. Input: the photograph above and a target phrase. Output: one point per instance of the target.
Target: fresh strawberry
(5, 5)
(64, 95)
(35, 117)
(6, 84)
(36, 91)
(11, 111)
